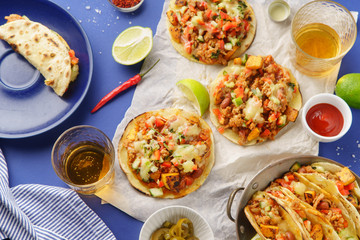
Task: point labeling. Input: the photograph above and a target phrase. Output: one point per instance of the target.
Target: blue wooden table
(29, 159)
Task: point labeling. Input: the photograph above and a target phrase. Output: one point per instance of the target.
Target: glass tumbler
(83, 157)
(322, 33)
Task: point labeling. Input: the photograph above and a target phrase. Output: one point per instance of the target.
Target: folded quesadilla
(44, 49)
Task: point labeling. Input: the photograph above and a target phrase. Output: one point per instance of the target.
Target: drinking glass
(325, 22)
(83, 157)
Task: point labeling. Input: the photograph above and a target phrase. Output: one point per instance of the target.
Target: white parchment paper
(234, 165)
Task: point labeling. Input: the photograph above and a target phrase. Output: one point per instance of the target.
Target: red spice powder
(125, 3)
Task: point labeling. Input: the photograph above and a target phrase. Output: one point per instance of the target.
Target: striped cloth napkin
(35, 211)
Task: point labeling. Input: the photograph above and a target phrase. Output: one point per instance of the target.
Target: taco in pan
(321, 203)
(269, 219)
(44, 49)
(167, 153)
(312, 224)
(250, 103)
(211, 32)
(338, 181)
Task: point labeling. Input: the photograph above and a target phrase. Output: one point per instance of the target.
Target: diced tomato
(201, 22)
(339, 185)
(147, 124)
(160, 184)
(228, 25)
(344, 192)
(225, 16)
(291, 177)
(204, 4)
(157, 154)
(336, 210)
(217, 112)
(159, 122)
(208, 13)
(74, 59)
(175, 162)
(188, 47)
(221, 44)
(185, 18)
(194, 168)
(72, 53)
(166, 164)
(246, 25)
(324, 211)
(188, 180)
(239, 92)
(192, 8)
(221, 130)
(265, 133)
(350, 186)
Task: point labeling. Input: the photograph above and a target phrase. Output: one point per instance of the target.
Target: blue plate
(27, 106)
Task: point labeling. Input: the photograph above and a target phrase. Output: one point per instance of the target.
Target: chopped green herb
(215, 55)
(195, 57)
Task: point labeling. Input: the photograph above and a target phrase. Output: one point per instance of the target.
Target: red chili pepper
(131, 82)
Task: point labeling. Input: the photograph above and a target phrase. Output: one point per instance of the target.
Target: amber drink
(322, 33)
(83, 157)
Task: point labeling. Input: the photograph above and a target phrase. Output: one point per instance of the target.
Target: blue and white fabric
(33, 211)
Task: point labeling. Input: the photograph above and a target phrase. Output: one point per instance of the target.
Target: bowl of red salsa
(326, 117)
(126, 5)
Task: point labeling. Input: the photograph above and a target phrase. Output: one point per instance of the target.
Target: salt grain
(353, 155)
(87, 7)
(68, 8)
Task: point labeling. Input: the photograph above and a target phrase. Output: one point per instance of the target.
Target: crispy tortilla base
(245, 44)
(138, 184)
(228, 133)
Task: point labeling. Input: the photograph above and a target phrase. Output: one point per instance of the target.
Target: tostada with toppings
(167, 153)
(211, 31)
(44, 49)
(250, 102)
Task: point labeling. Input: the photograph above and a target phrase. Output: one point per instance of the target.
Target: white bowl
(131, 9)
(202, 229)
(279, 10)
(331, 99)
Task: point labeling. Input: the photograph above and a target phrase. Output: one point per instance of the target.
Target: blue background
(29, 159)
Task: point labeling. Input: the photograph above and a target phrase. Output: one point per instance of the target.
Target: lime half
(196, 93)
(348, 88)
(132, 45)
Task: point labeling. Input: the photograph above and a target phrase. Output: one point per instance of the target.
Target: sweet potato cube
(269, 231)
(254, 62)
(238, 61)
(309, 196)
(253, 134)
(346, 176)
(317, 232)
(175, 33)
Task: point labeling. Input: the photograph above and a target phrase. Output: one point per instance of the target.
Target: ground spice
(125, 3)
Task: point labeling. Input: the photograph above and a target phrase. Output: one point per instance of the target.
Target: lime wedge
(196, 93)
(132, 45)
(256, 237)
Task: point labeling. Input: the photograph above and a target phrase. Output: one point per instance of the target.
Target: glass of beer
(83, 157)
(322, 33)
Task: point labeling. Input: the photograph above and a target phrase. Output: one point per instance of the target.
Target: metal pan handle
(230, 202)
